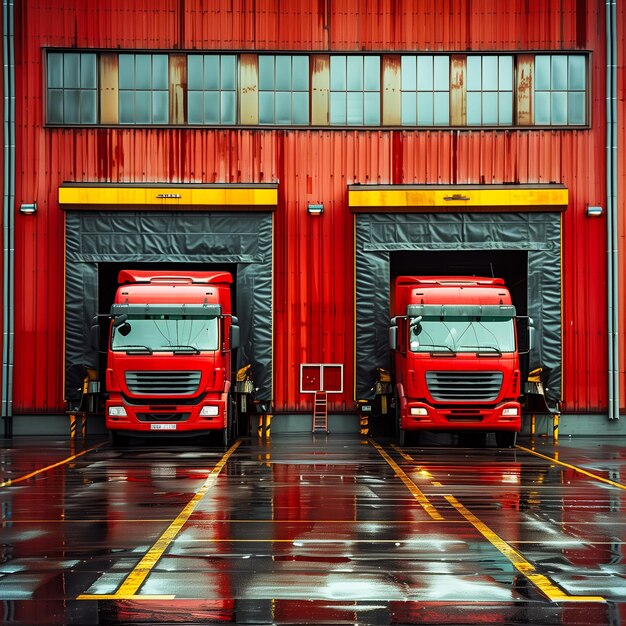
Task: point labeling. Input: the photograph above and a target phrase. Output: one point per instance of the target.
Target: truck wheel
(506, 439)
(225, 436)
(117, 440)
(400, 432)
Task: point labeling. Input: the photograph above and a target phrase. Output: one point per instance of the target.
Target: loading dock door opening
(383, 239)
(95, 239)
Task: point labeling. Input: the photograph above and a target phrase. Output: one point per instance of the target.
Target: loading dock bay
(313, 529)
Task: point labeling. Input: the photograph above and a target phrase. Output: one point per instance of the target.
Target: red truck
(455, 356)
(169, 355)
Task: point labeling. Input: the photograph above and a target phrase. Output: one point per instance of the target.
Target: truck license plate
(162, 426)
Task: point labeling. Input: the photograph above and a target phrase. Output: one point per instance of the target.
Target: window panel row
(86, 88)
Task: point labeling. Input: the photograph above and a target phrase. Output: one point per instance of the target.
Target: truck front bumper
(208, 415)
(422, 416)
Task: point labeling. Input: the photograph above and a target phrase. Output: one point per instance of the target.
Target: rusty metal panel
(320, 89)
(524, 88)
(249, 89)
(458, 91)
(178, 88)
(392, 94)
(109, 71)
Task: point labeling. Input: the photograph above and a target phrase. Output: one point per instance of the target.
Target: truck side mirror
(95, 336)
(531, 334)
(234, 336)
(393, 337)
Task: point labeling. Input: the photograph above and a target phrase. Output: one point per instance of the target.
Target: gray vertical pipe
(8, 233)
(612, 215)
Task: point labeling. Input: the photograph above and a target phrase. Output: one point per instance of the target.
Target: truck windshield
(462, 334)
(170, 333)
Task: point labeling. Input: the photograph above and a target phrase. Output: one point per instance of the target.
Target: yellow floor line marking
(544, 584)
(580, 470)
(410, 485)
(135, 579)
(8, 483)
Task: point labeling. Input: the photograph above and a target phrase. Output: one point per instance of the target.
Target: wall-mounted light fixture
(28, 209)
(315, 209)
(594, 211)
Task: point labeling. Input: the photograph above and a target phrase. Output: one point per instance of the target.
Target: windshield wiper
(436, 345)
(480, 349)
(136, 349)
(182, 348)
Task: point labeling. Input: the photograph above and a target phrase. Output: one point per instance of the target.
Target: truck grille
(166, 383)
(460, 386)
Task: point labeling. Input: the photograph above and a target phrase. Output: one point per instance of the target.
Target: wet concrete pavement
(332, 529)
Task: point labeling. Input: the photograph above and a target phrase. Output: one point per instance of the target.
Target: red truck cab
(455, 356)
(169, 354)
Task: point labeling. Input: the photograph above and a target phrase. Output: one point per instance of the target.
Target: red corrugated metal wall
(314, 318)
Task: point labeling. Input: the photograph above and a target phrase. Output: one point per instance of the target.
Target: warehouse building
(315, 151)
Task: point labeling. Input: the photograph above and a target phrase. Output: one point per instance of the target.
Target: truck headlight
(510, 412)
(209, 411)
(419, 410)
(117, 411)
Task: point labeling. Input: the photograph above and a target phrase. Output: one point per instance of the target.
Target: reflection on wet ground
(305, 529)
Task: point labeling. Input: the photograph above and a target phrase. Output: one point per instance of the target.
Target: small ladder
(320, 412)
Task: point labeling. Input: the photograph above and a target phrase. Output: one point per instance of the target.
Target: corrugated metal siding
(314, 319)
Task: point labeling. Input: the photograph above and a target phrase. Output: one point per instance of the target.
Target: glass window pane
(195, 107)
(355, 73)
(55, 106)
(71, 70)
(143, 107)
(88, 70)
(576, 108)
(266, 72)
(160, 71)
(283, 107)
(71, 104)
(355, 108)
(576, 72)
(442, 73)
(88, 106)
(283, 73)
(194, 72)
(212, 107)
(425, 109)
(409, 110)
(505, 73)
(55, 70)
(127, 71)
(337, 73)
(143, 71)
(473, 108)
(300, 73)
(211, 72)
(442, 108)
(372, 108)
(490, 73)
(558, 110)
(505, 107)
(228, 113)
(160, 107)
(474, 69)
(229, 72)
(300, 108)
(542, 72)
(559, 72)
(542, 108)
(424, 75)
(490, 107)
(371, 71)
(408, 71)
(127, 107)
(266, 107)
(337, 107)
